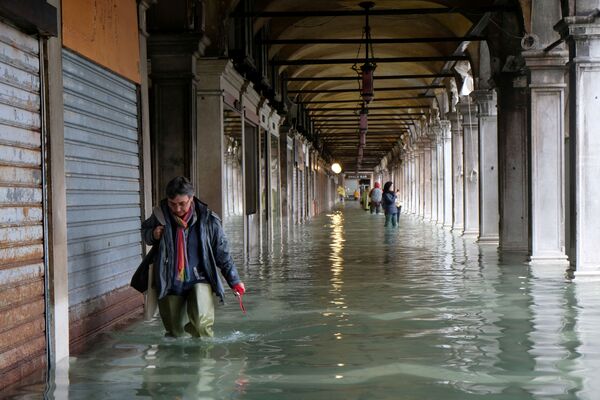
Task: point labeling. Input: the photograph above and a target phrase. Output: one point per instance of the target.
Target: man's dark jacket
(212, 256)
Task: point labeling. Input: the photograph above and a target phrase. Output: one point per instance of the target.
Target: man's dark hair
(179, 186)
(386, 187)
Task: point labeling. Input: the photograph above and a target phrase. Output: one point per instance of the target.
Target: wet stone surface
(347, 309)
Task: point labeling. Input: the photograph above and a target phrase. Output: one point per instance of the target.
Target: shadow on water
(344, 308)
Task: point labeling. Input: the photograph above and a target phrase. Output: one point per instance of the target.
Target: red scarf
(180, 243)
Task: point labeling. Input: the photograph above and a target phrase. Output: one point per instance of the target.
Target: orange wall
(105, 31)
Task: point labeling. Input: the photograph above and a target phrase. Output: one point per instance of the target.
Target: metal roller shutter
(22, 304)
(102, 164)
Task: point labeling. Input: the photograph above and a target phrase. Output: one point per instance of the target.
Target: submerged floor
(349, 310)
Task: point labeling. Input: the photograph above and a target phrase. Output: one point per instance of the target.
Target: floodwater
(347, 309)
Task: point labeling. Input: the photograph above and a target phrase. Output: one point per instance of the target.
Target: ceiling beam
(378, 99)
(444, 39)
(377, 60)
(372, 12)
(377, 77)
(385, 89)
(369, 108)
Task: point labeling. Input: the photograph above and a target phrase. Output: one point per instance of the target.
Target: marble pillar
(427, 203)
(413, 194)
(440, 176)
(512, 163)
(489, 217)
(419, 181)
(547, 88)
(457, 173)
(582, 34)
(447, 172)
(470, 126)
(434, 181)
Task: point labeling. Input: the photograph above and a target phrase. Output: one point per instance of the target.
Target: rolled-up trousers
(192, 313)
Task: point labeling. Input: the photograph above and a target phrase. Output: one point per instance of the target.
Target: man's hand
(158, 232)
(239, 288)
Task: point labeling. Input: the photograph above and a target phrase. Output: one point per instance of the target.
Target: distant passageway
(348, 309)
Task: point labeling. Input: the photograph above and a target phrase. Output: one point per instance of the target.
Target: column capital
(486, 101)
(468, 112)
(546, 69)
(580, 30)
(446, 127)
(453, 117)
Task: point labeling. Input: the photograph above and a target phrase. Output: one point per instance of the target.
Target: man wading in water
(191, 247)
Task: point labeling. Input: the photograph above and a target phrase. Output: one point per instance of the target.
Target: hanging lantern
(363, 123)
(360, 153)
(363, 138)
(366, 91)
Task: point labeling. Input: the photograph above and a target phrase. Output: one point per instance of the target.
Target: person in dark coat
(388, 201)
(191, 247)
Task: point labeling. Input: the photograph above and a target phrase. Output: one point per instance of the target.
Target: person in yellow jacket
(365, 198)
(341, 192)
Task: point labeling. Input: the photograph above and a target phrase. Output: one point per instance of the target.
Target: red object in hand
(239, 288)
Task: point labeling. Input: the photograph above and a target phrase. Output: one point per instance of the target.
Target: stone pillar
(440, 176)
(488, 166)
(457, 173)
(512, 163)
(447, 168)
(470, 128)
(173, 74)
(412, 172)
(547, 88)
(427, 204)
(434, 182)
(210, 147)
(419, 180)
(58, 272)
(582, 34)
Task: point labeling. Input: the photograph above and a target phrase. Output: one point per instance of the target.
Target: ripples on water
(345, 309)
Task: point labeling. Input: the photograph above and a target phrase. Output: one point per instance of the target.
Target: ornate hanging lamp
(363, 124)
(367, 69)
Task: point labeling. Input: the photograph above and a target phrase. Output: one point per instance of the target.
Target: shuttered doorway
(102, 164)
(22, 315)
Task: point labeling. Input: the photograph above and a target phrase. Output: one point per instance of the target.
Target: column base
(588, 275)
(490, 239)
(545, 272)
(458, 230)
(558, 259)
(470, 234)
(447, 226)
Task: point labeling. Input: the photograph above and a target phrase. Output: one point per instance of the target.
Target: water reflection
(350, 310)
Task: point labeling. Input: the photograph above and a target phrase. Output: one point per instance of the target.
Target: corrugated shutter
(103, 181)
(22, 315)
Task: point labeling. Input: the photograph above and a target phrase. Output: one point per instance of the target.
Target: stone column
(488, 166)
(457, 173)
(440, 176)
(470, 128)
(419, 180)
(547, 87)
(446, 133)
(413, 190)
(512, 163)
(173, 111)
(583, 37)
(211, 165)
(427, 204)
(434, 181)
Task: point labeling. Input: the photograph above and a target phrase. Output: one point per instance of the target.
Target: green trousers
(193, 313)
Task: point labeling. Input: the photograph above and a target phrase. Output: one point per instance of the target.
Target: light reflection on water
(350, 310)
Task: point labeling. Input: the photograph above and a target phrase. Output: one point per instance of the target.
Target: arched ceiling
(404, 89)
